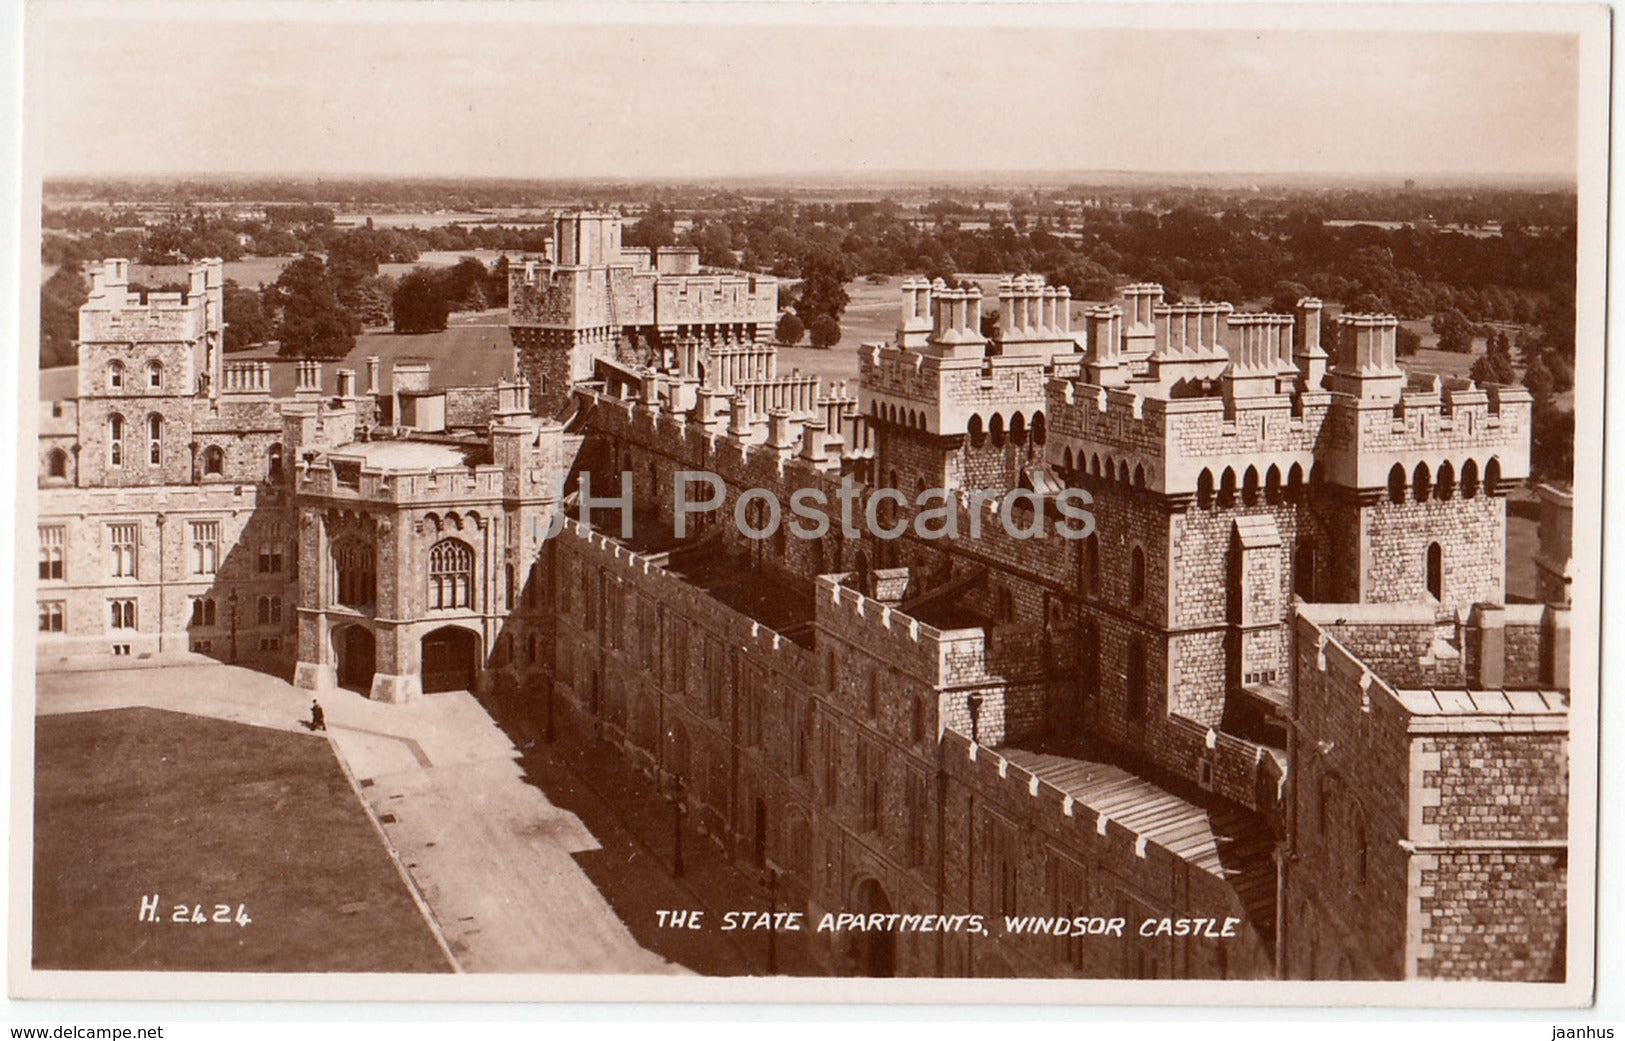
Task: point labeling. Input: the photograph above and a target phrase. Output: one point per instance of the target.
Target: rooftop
(1485, 711)
(408, 454)
(1224, 842)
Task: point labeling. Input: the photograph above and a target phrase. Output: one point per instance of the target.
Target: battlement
(1164, 445)
(588, 281)
(111, 313)
(1440, 424)
(942, 658)
(667, 587)
(949, 395)
(402, 471)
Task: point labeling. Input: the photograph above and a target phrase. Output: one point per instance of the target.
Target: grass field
(132, 802)
(249, 272)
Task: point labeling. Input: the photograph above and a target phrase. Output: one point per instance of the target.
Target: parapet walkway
(490, 854)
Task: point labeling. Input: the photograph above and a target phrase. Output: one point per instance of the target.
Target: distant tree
(246, 321)
(1222, 289)
(1538, 380)
(653, 229)
(1495, 366)
(315, 324)
(1087, 279)
(1455, 331)
(464, 285)
(825, 331)
(823, 288)
(1551, 442)
(1285, 296)
(59, 301)
(420, 303)
(790, 329)
(496, 283)
(373, 300)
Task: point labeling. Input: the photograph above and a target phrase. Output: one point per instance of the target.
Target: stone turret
(1365, 363)
(1307, 354)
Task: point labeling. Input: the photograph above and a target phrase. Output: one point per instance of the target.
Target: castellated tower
(143, 363)
(591, 300)
(1237, 467)
(1416, 468)
(952, 409)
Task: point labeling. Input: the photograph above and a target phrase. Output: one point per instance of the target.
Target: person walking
(318, 718)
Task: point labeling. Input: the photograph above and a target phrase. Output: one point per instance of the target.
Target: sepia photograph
(1053, 503)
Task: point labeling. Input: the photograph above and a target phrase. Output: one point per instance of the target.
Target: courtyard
(246, 845)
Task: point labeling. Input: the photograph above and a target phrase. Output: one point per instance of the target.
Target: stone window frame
(1433, 571)
(1137, 586)
(53, 539)
(124, 550)
(271, 557)
(115, 375)
(155, 439)
(451, 575)
(205, 547)
(214, 461)
(155, 375)
(115, 439)
(268, 610)
(56, 465)
(204, 613)
(53, 616)
(122, 614)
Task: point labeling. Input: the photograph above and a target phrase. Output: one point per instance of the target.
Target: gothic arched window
(115, 440)
(451, 574)
(155, 439)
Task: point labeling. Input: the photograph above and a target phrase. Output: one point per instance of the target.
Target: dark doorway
(357, 657)
(450, 658)
(874, 953)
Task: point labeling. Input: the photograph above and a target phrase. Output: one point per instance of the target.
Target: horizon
(881, 184)
(504, 93)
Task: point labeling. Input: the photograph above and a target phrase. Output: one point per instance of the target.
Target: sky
(688, 91)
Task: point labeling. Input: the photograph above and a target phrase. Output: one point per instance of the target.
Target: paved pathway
(488, 851)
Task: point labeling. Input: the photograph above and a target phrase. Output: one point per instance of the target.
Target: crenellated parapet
(951, 658)
(949, 396)
(1164, 445)
(1442, 426)
(112, 313)
(350, 477)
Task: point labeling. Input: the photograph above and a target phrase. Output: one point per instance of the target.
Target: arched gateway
(450, 659)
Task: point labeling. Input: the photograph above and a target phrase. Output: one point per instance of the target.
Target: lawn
(132, 802)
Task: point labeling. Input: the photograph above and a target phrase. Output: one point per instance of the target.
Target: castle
(1278, 687)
